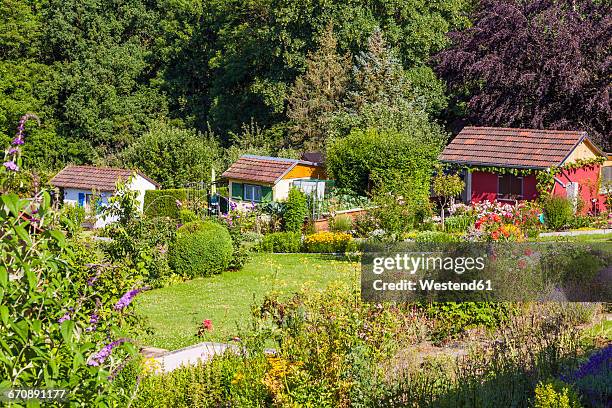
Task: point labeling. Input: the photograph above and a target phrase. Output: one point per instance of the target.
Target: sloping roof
(315, 157)
(262, 169)
(509, 147)
(91, 177)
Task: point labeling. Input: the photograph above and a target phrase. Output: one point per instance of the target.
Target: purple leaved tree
(535, 63)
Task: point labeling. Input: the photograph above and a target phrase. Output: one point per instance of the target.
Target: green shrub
(73, 216)
(436, 237)
(201, 249)
(186, 216)
(555, 394)
(173, 156)
(558, 212)
(168, 203)
(455, 317)
(365, 224)
(458, 223)
(341, 223)
(354, 159)
(286, 242)
(295, 211)
(48, 340)
(143, 241)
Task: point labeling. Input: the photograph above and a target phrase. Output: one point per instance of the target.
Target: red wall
(485, 184)
(588, 180)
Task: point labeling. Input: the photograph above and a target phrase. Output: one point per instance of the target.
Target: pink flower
(11, 165)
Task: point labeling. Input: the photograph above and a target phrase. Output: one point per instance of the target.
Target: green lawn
(175, 312)
(580, 238)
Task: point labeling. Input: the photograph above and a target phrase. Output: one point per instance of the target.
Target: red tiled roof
(91, 177)
(259, 168)
(509, 147)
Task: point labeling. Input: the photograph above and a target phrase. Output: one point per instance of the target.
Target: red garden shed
(508, 164)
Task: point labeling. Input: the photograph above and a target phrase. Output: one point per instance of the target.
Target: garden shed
(254, 179)
(509, 164)
(79, 185)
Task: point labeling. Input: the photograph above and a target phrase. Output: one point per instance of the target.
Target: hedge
(162, 203)
(201, 249)
(282, 242)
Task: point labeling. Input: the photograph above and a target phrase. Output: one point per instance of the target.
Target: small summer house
(508, 164)
(255, 179)
(79, 185)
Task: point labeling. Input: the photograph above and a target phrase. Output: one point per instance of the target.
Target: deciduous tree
(538, 63)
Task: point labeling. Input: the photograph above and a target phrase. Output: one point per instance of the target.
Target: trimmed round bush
(201, 249)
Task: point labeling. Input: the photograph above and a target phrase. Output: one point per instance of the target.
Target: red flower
(495, 235)
(528, 252)
(207, 324)
(522, 264)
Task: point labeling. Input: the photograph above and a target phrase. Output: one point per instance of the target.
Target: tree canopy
(265, 76)
(536, 64)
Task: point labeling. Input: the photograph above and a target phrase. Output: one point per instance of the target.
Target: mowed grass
(579, 238)
(175, 312)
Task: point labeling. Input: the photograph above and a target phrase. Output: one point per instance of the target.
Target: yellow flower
(150, 366)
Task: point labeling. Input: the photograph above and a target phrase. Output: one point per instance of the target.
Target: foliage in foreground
(332, 350)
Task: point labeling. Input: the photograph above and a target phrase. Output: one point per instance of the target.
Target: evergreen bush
(558, 212)
(201, 249)
(295, 211)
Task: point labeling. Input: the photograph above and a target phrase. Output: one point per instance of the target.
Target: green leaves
(13, 203)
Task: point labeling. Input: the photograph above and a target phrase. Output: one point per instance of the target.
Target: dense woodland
(175, 86)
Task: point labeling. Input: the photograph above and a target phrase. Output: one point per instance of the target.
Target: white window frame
(250, 192)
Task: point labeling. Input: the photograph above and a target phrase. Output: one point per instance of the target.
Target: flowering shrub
(60, 324)
(592, 378)
(328, 242)
(496, 230)
(239, 223)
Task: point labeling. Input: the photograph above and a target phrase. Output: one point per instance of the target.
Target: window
(606, 179)
(510, 187)
(252, 193)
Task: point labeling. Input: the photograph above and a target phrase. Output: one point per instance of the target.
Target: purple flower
(17, 141)
(103, 354)
(127, 298)
(597, 363)
(64, 318)
(93, 279)
(11, 165)
(93, 321)
(13, 150)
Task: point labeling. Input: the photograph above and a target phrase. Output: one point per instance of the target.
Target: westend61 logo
(472, 272)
